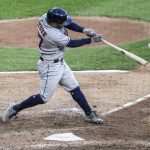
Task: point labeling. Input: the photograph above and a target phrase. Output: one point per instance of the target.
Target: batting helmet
(56, 15)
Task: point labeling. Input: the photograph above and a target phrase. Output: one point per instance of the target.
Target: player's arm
(80, 42)
(69, 24)
(62, 40)
(75, 27)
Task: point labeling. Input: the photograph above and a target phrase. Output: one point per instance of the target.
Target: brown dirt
(127, 129)
(22, 32)
(145, 68)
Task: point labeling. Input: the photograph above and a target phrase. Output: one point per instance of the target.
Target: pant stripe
(46, 82)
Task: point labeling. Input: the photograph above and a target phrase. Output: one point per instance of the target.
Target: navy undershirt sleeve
(79, 42)
(75, 27)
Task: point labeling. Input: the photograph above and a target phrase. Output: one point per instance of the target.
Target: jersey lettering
(43, 33)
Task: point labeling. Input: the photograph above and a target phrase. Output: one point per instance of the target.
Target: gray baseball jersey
(52, 41)
(52, 68)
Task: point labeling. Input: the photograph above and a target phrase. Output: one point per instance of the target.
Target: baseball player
(53, 70)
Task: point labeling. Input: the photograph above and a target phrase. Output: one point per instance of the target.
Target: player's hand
(96, 38)
(89, 32)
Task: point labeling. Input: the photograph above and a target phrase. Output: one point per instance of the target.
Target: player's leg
(48, 84)
(79, 97)
(14, 108)
(50, 79)
(69, 82)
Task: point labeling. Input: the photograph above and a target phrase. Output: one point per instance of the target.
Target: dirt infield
(22, 32)
(127, 129)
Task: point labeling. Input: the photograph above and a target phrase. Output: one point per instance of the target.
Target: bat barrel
(130, 55)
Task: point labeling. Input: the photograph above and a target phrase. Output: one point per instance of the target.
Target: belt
(54, 61)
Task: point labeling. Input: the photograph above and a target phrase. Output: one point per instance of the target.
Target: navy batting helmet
(56, 15)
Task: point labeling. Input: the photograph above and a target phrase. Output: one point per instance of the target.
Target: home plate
(63, 137)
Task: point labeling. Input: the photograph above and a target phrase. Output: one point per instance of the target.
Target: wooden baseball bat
(128, 54)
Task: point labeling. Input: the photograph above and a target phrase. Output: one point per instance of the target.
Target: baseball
(148, 45)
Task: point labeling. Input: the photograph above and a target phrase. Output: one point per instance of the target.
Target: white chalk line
(70, 111)
(19, 72)
(86, 71)
(129, 104)
(75, 110)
